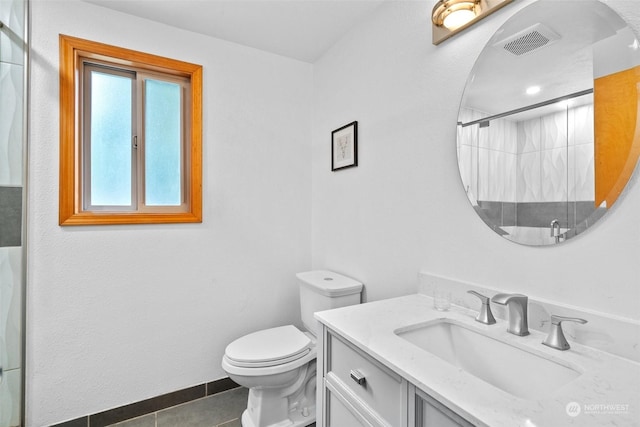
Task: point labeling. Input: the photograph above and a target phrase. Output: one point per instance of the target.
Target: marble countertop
(607, 393)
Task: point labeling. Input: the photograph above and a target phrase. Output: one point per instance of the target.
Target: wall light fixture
(449, 17)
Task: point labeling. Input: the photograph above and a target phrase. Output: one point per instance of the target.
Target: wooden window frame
(71, 211)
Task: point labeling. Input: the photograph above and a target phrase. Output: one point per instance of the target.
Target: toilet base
(289, 406)
(296, 419)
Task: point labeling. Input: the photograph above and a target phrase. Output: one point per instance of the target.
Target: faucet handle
(556, 338)
(485, 315)
(556, 320)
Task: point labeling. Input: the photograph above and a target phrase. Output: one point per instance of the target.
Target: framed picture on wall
(344, 147)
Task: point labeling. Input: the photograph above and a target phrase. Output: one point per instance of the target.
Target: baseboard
(149, 406)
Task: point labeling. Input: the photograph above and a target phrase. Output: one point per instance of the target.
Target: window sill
(110, 218)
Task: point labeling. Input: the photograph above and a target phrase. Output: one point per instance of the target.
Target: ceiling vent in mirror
(533, 38)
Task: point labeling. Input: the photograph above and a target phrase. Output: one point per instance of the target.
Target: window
(130, 136)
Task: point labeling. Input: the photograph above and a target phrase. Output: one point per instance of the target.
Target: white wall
(117, 314)
(403, 209)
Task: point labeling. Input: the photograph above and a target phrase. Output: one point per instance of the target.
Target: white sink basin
(514, 370)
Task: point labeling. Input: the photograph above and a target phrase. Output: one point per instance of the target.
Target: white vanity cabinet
(354, 389)
(431, 413)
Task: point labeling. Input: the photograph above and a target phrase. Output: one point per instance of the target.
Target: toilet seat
(268, 347)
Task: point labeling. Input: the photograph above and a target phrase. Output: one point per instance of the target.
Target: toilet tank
(323, 290)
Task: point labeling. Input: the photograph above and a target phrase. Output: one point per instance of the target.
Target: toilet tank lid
(330, 284)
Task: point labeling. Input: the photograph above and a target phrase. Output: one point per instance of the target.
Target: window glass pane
(110, 139)
(162, 143)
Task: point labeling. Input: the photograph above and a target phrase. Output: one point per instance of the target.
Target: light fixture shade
(458, 18)
(450, 17)
(453, 14)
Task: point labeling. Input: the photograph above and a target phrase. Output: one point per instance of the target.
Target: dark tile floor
(219, 410)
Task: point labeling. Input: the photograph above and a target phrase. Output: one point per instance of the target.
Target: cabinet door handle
(358, 377)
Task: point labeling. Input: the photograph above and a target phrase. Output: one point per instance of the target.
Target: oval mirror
(548, 131)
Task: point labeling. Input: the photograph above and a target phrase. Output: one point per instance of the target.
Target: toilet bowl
(278, 365)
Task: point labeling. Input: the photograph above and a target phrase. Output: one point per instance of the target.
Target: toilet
(278, 365)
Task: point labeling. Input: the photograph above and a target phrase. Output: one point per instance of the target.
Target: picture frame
(344, 147)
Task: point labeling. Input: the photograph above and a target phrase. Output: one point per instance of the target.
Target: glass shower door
(13, 49)
(529, 172)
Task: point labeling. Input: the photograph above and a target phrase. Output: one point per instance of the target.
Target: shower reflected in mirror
(547, 130)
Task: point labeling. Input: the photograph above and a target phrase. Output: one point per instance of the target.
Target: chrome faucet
(556, 338)
(517, 303)
(555, 230)
(485, 315)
